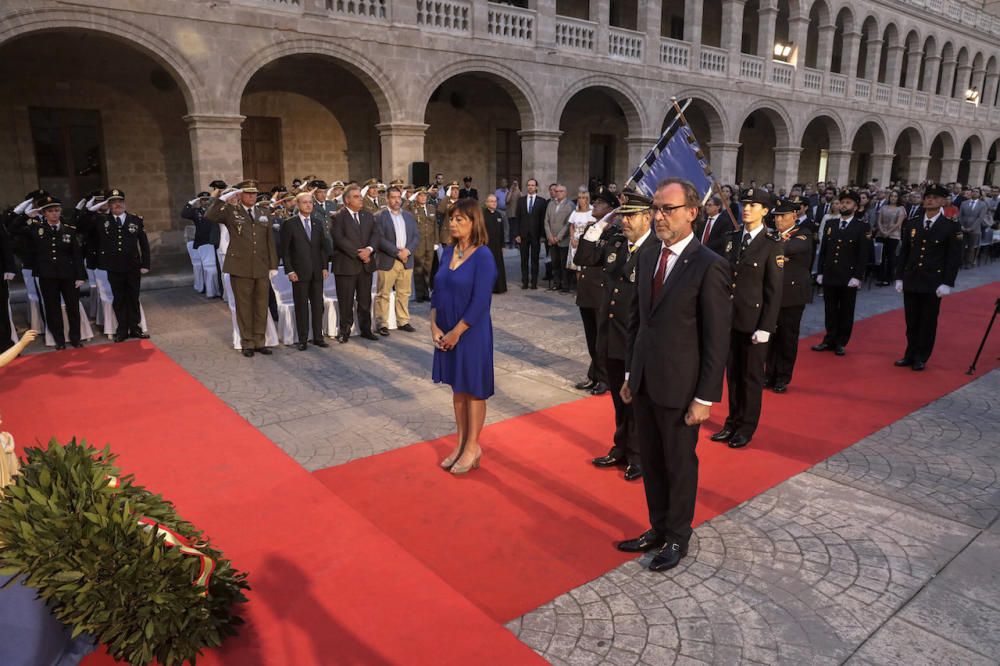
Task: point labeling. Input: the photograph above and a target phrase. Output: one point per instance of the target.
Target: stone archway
(822, 147)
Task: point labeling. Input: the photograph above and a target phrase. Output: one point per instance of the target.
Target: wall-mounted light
(972, 95)
(783, 52)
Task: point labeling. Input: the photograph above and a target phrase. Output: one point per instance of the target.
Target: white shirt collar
(932, 220)
(753, 234)
(678, 247)
(642, 239)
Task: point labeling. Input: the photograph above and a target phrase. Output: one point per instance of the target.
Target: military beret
(218, 185)
(936, 191)
(786, 206)
(849, 194)
(759, 196)
(634, 202)
(115, 194)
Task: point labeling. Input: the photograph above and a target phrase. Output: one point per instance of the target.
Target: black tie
(844, 223)
(927, 224)
(355, 216)
(744, 244)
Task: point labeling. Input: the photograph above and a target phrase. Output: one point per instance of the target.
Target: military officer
(451, 196)
(755, 258)
(24, 246)
(123, 251)
(844, 250)
(619, 255)
(930, 254)
(797, 250)
(322, 206)
(370, 197)
(251, 259)
(423, 258)
(335, 195)
(59, 267)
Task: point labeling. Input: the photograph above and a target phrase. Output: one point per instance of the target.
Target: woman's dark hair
(473, 210)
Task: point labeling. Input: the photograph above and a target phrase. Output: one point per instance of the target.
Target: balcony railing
(812, 79)
(782, 74)
(626, 44)
(675, 54)
(713, 60)
(836, 84)
(903, 98)
(862, 89)
(364, 9)
(751, 67)
(883, 94)
(959, 12)
(451, 16)
(575, 33)
(511, 24)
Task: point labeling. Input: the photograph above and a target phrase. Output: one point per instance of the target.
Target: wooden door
(262, 151)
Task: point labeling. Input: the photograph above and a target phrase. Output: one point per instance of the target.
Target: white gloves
(272, 273)
(8, 276)
(899, 286)
(594, 232)
(819, 279)
(80, 204)
(23, 206)
(760, 337)
(228, 196)
(942, 290)
(93, 206)
(193, 201)
(854, 283)
(436, 247)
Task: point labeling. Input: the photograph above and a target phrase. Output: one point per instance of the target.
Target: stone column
(849, 59)
(216, 148)
(600, 13)
(481, 19)
(977, 172)
(824, 47)
(768, 16)
(916, 171)
(990, 89)
(894, 65)
(649, 23)
(545, 21)
(724, 161)
(949, 169)
(932, 64)
(732, 33)
(962, 73)
(979, 81)
(838, 166)
(872, 60)
(947, 77)
(539, 155)
(786, 166)
(913, 68)
(882, 167)
(638, 146)
(798, 33)
(402, 143)
(693, 18)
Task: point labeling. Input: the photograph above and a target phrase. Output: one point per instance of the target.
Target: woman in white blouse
(578, 221)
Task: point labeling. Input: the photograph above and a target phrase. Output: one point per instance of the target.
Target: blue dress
(464, 294)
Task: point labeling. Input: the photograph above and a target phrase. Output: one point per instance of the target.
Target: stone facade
(367, 87)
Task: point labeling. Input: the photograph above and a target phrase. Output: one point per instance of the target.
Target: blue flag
(676, 155)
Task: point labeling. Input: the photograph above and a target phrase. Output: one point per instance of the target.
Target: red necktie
(661, 271)
(708, 232)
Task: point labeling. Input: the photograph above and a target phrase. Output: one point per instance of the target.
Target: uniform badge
(262, 218)
(41, 232)
(67, 238)
(631, 277)
(132, 228)
(780, 260)
(913, 232)
(958, 236)
(612, 257)
(829, 230)
(729, 247)
(107, 224)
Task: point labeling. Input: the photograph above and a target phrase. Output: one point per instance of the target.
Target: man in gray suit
(557, 231)
(974, 216)
(397, 241)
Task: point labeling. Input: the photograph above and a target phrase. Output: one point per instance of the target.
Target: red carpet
(537, 519)
(328, 586)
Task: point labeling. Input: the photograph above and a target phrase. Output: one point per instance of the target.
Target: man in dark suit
(355, 237)
(797, 253)
(531, 217)
(124, 254)
(678, 339)
(306, 249)
(397, 241)
(843, 259)
(714, 232)
(930, 253)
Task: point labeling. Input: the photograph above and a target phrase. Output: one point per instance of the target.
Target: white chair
(287, 331)
(330, 306)
(34, 300)
(270, 331)
(109, 320)
(210, 271)
(13, 331)
(86, 332)
(196, 266)
(221, 254)
(94, 309)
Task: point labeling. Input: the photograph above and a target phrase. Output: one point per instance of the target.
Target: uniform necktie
(927, 224)
(121, 220)
(661, 271)
(843, 223)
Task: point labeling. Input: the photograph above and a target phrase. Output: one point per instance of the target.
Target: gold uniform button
(612, 303)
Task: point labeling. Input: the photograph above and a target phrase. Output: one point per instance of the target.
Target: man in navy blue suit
(397, 241)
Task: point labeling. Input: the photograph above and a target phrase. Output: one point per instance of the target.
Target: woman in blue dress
(462, 330)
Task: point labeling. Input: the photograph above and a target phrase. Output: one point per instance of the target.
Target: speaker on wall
(420, 173)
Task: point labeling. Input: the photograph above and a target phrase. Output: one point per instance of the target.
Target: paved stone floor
(888, 552)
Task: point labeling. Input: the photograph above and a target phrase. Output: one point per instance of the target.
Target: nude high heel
(465, 469)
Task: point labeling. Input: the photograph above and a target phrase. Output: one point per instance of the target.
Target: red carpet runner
(537, 519)
(328, 586)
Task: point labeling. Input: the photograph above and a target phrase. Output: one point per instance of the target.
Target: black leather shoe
(60, 346)
(248, 353)
(383, 331)
(821, 347)
(553, 288)
(408, 328)
(534, 286)
(321, 343)
(140, 335)
(918, 366)
(633, 472)
(120, 338)
(342, 338)
(779, 388)
(839, 351)
(301, 346)
(524, 286)
(585, 385)
(768, 383)
(644, 543)
(723, 435)
(738, 441)
(668, 557)
(903, 362)
(599, 389)
(263, 350)
(369, 336)
(76, 345)
(609, 460)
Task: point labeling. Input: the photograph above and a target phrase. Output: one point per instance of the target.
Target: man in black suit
(124, 254)
(531, 217)
(678, 339)
(306, 250)
(843, 259)
(714, 233)
(354, 240)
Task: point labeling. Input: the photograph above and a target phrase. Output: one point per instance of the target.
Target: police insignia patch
(729, 247)
(631, 278)
(612, 257)
(107, 223)
(132, 228)
(67, 238)
(913, 232)
(41, 232)
(829, 230)
(780, 260)
(958, 236)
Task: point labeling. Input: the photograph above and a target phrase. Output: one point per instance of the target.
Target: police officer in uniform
(930, 254)
(59, 267)
(427, 233)
(797, 250)
(618, 253)
(250, 260)
(844, 252)
(755, 258)
(124, 253)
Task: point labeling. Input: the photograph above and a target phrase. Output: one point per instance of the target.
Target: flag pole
(669, 128)
(716, 189)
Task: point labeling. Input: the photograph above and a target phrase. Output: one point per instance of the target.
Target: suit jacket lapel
(680, 265)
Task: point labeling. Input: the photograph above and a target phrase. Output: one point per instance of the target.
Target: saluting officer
(930, 254)
(370, 198)
(797, 249)
(427, 233)
(844, 251)
(59, 267)
(123, 251)
(755, 259)
(619, 255)
(250, 260)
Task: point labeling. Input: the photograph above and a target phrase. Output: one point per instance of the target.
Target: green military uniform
(423, 258)
(249, 259)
